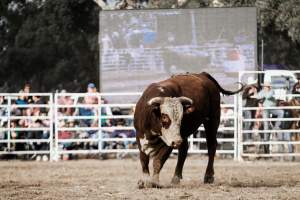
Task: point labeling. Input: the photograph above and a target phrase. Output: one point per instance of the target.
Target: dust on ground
(117, 179)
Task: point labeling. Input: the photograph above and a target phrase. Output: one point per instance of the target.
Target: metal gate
(258, 141)
(26, 128)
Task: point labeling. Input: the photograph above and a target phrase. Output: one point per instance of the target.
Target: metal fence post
(50, 114)
(56, 148)
(235, 146)
(8, 122)
(240, 123)
(100, 136)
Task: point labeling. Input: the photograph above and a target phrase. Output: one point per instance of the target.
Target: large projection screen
(139, 47)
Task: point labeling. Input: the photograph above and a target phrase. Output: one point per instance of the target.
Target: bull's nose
(176, 144)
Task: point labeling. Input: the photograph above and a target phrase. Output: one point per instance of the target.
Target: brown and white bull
(167, 113)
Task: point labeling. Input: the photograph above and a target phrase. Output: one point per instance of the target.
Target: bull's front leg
(158, 162)
(182, 153)
(145, 180)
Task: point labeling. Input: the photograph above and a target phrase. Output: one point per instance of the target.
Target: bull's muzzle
(176, 144)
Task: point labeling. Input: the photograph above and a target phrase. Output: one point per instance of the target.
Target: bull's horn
(185, 100)
(155, 101)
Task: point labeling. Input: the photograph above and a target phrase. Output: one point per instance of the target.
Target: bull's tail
(226, 92)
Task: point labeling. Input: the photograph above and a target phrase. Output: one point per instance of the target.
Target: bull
(167, 113)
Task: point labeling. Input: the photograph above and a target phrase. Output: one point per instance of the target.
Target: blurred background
(53, 44)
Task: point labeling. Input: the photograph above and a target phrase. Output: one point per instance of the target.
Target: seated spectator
(116, 111)
(130, 121)
(259, 115)
(3, 112)
(65, 135)
(105, 111)
(226, 113)
(123, 134)
(26, 90)
(93, 99)
(40, 123)
(296, 89)
(40, 146)
(16, 135)
(21, 100)
(65, 100)
(90, 111)
(3, 122)
(87, 111)
(258, 126)
(37, 100)
(226, 121)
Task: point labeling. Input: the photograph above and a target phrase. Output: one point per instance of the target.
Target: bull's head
(171, 112)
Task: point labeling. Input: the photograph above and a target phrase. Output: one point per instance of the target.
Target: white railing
(78, 127)
(101, 134)
(273, 147)
(104, 134)
(16, 130)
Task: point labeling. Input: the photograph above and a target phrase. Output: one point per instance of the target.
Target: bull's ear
(186, 104)
(185, 100)
(156, 101)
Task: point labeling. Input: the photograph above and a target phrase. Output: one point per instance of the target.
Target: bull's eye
(165, 121)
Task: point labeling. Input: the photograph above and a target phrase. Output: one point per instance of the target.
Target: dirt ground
(117, 179)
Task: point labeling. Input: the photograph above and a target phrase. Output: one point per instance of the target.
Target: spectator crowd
(27, 112)
(83, 112)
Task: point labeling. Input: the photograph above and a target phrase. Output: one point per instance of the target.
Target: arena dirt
(116, 179)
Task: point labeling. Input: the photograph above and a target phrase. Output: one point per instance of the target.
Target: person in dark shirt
(249, 91)
(296, 89)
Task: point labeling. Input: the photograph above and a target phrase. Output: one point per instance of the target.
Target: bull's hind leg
(182, 153)
(211, 128)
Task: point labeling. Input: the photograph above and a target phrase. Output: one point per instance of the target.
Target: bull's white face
(171, 110)
(171, 116)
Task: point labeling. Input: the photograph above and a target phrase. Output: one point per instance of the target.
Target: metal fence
(258, 136)
(26, 129)
(97, 123)
(84, 123)
(89, 132)
(110, 137)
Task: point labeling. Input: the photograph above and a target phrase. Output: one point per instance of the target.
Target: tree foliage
(50, 44)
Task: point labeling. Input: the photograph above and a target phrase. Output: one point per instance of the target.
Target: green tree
(55, 45)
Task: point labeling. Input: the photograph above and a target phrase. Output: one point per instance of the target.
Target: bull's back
(197, 87)
(206, 99)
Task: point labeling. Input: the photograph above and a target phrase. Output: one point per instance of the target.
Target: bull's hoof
(141, 184)
(148, 184)
(175, 180)
(208, 179)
